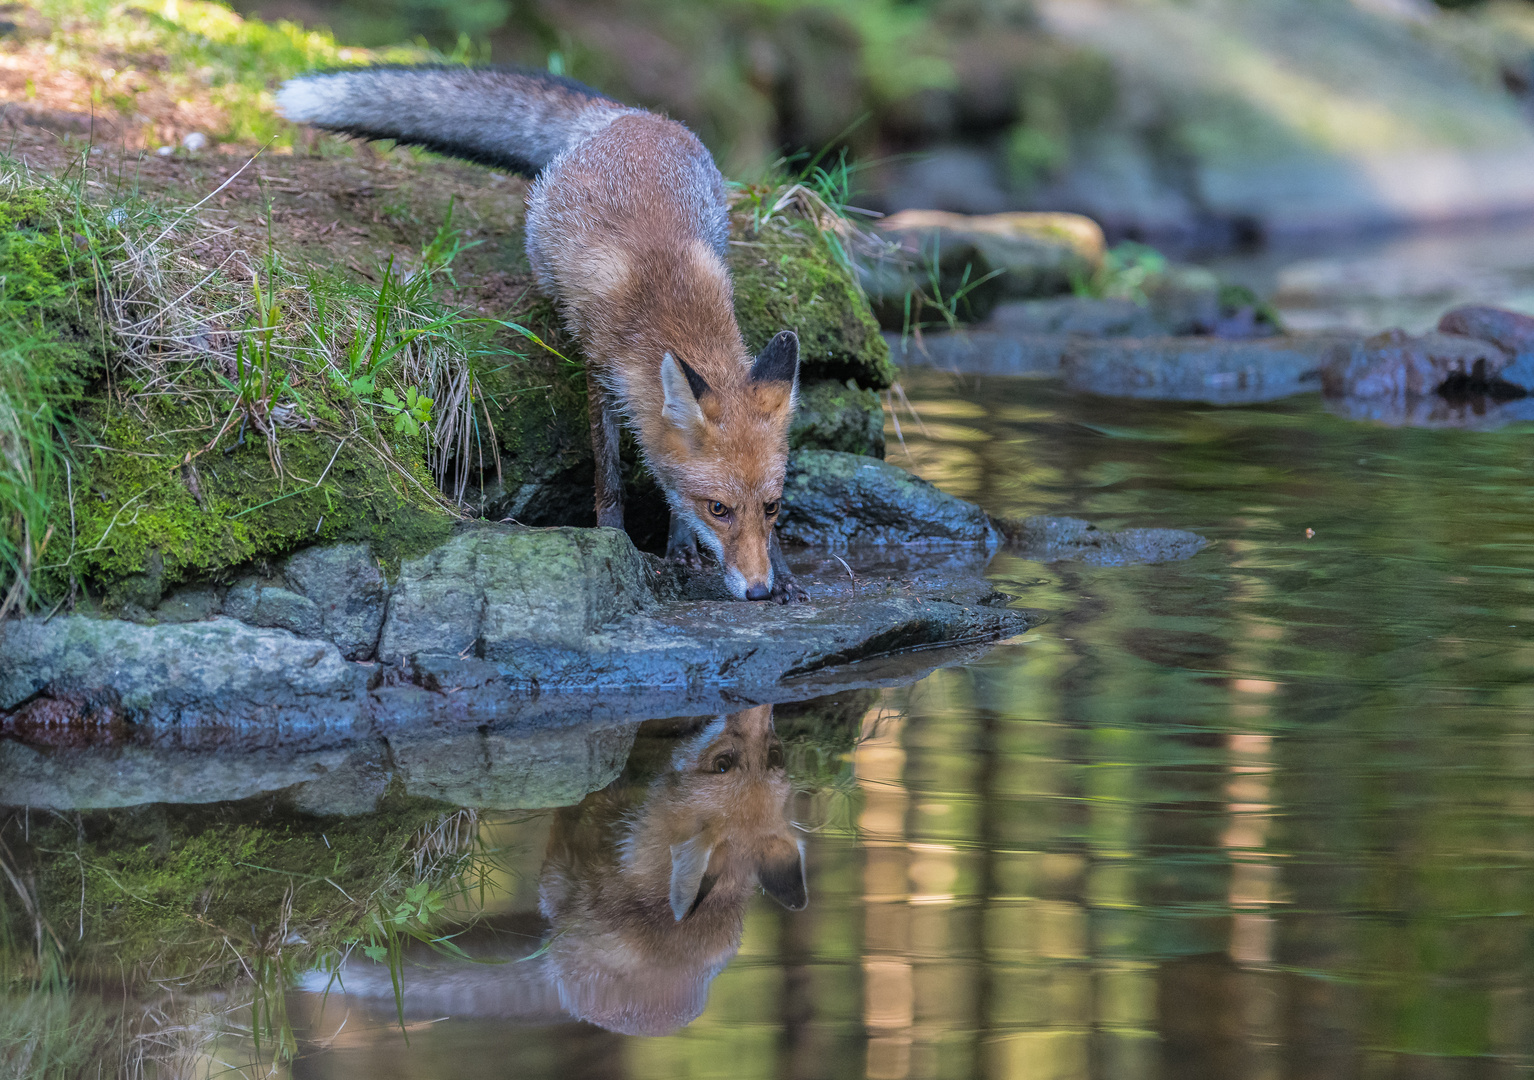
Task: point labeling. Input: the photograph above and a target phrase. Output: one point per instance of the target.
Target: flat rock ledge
(499, 616)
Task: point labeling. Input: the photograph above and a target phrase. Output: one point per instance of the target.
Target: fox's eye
(724, 763)
(718, 509)
(775, 757)
(770, 509)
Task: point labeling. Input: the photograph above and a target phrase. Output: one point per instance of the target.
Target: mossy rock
(143, 518)
(838, 416)
(787, 280)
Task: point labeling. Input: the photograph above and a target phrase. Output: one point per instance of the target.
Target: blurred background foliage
(1211, 124)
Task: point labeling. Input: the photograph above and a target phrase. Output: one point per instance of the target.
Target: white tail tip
(303, 100)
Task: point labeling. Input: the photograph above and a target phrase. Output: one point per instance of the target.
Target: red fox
(627, 228)
(644, 886)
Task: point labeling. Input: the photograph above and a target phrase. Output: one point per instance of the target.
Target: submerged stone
(1067, 539)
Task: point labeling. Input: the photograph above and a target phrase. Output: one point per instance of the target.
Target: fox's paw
(685, 554)
(785, 590)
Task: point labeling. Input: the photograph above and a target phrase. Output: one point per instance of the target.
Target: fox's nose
(759, 591)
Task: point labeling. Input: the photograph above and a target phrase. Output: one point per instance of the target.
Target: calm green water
(1266, 813)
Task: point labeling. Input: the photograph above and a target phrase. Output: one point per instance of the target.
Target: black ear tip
(779, 360)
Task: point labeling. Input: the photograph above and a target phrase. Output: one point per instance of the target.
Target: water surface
(1265, 813)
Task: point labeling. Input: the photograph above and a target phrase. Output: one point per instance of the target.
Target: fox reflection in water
(644, 886)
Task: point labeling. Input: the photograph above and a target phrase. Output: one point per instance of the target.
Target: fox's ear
(683, 387)
(689, 862)
(779, 361)
(781, 873)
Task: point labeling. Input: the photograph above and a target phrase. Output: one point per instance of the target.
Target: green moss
(144, 521)
(787, 280)
(838, 416)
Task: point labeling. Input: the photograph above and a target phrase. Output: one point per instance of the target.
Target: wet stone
(347, 589)
(837, 500)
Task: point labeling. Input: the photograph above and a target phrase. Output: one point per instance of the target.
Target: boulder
(494, 592)
(192, 671)
(265, 603)
(192, 604)
(1510, 331)
(1397, 365)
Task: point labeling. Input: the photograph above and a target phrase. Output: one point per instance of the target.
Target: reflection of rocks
(523, 769)
(1059, 539)
(1397, 365)
(1474, 412)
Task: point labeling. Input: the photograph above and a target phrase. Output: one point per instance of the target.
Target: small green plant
(1126, 271)
(411, 413)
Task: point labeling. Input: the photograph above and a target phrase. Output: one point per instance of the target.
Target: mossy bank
(212, 391)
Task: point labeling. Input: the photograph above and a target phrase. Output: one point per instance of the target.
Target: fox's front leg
(681, 544)
(785, 590)
(604, 453)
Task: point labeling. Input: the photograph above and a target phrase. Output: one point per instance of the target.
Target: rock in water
(1510, 331)
(1199, 369)
(837, 500)
(1396, 365)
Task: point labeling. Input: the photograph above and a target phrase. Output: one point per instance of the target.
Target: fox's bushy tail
(516, 120)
